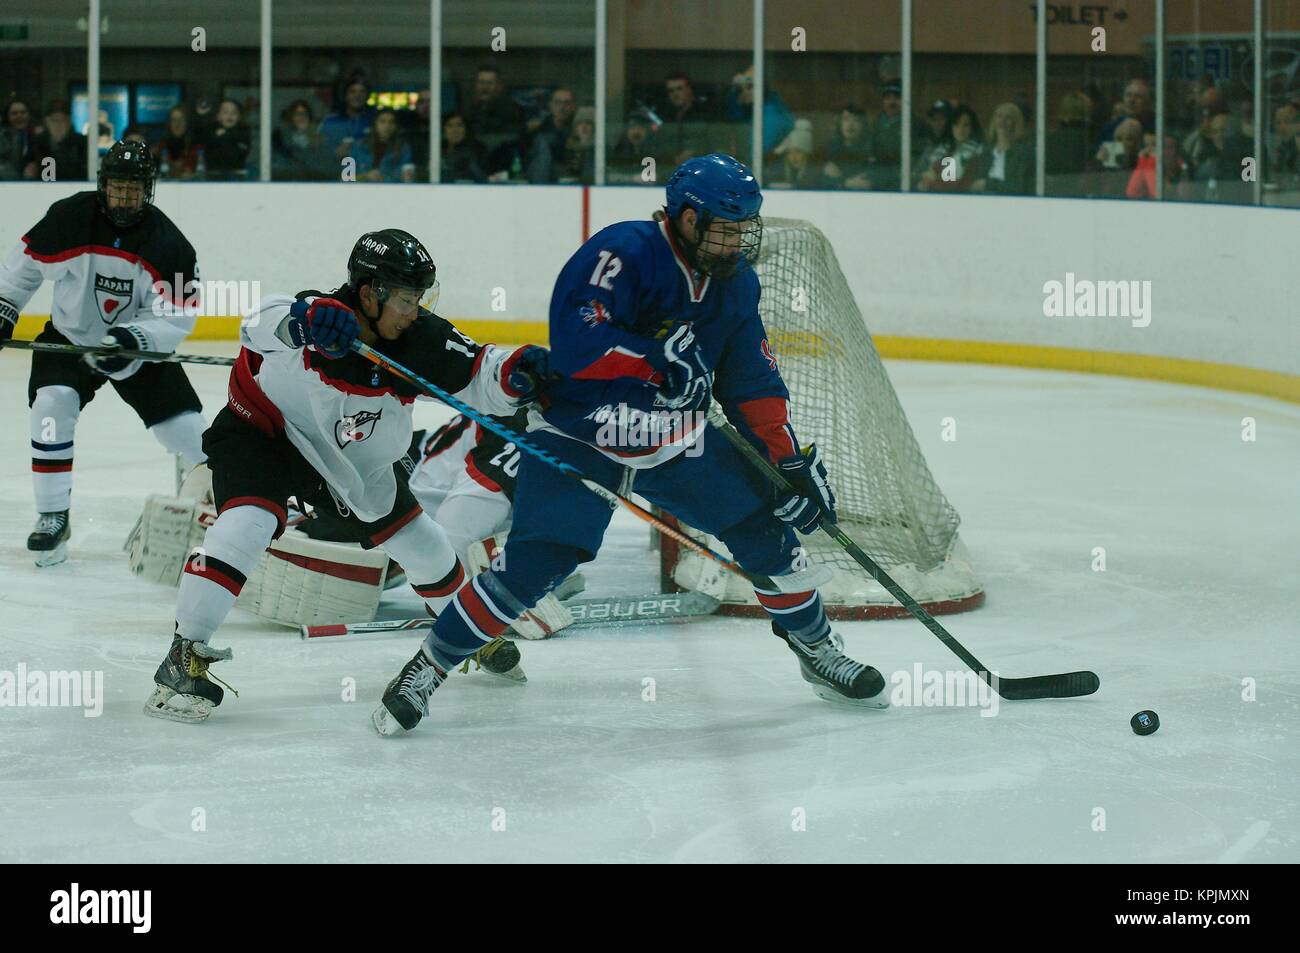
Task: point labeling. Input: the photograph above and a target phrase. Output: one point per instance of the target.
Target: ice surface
(1200, 529)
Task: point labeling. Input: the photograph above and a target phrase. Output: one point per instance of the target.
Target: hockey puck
(1145, 723)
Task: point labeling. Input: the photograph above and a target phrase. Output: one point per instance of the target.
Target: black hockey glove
(116, 339)
(325, 322)
(8, 320)
(813, 499)
(687, 383)
(526, 372)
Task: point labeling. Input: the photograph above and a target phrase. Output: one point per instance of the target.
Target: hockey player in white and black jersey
(125, 278)
(308, 418)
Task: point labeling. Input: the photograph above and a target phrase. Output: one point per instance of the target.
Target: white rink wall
(921, 266)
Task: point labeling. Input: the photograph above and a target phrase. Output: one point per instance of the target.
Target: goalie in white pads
(464, 477)
(307, 417)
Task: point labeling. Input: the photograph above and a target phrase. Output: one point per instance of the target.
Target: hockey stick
(793, 582)
(161, 357)
(1066, 685)
(615, 611)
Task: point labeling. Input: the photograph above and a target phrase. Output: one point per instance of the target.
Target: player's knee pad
(55, 410)
(423, 550)
(240, 536)
(762, 543)
(183, 434)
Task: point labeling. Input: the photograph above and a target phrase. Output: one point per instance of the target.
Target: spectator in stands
(495, 119)
(683, 112)
(794, 168)
(1135, 105)
(1121, 152)
(930, 134)
(382, 156)
(414, 125)
(1286, 171)
(227, 145)
(18, 120)
(298, 150)
(579, 159)
(1006, 166)
(57, 142)
(638, 142)
(950, 166)
(351, 124)
(464, 158)
(1197, 146)
(1068, 147)
(1142, 183)
(546, 153)
(177, 151)
(849, 156)
(11, 155)
(1283, 132)
(1218, 173)
(777, 118)
(885, 171)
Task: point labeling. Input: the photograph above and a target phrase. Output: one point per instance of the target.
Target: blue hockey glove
(327, 323)
(526, 372)
(687, 383)
(813, 497)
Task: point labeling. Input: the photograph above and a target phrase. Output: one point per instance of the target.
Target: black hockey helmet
(128, 161)
(391, 260)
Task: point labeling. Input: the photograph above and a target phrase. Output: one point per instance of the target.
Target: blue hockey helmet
(726, 199)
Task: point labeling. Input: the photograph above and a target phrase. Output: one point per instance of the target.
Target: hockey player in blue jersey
(649, 321)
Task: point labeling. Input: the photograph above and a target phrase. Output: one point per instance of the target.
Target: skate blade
(52, 557)
(385, 723)
(167, 704)
(878, 701)
(515, 674)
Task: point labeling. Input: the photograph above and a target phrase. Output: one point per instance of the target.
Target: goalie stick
(160, 357)
(617, 611)
(799, 581)
(1065, 685)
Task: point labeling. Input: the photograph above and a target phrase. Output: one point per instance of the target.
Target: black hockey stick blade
(1067, 685)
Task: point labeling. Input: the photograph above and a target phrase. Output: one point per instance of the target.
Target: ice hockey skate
(183, 690)
(500, 657)
(834, 676)
(49, 540)
(406, 699)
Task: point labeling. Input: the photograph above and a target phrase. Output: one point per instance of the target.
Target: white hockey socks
(54, 420)
(216, 571)
(431, 564)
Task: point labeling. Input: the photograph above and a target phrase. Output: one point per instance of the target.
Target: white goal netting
(841, 397)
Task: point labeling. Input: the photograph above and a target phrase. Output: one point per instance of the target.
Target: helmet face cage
(126, 165)
(727, 248)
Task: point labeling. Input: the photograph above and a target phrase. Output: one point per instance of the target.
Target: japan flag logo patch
(111, 294)
(355, 427)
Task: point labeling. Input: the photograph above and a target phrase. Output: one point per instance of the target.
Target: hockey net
(841, 397)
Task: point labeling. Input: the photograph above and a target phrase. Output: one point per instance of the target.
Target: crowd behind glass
(1100, 140)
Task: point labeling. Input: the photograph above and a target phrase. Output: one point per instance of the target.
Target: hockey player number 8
(603, 276)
